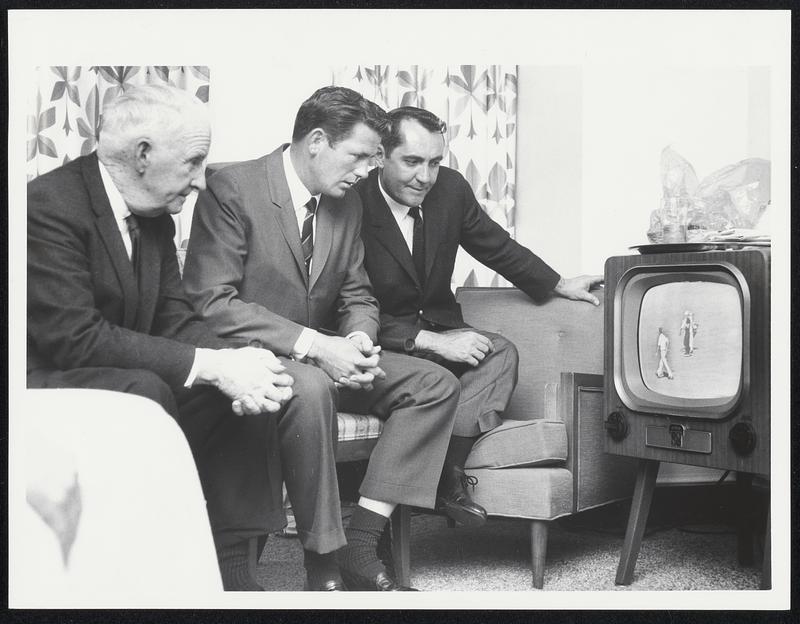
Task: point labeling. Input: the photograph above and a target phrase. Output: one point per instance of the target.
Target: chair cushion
(358, 427)
(519, 443)
(534, 493)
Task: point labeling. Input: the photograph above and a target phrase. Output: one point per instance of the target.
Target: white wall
(590, 140)
(549, 164)
(253, 104)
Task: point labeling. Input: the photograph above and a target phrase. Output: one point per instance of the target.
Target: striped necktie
(307, 232)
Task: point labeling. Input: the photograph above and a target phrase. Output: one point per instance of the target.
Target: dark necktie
(418, 243)
(307, 232)
(135, 233)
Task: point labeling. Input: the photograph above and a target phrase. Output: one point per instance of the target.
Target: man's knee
(438, 380)
(313, 394)
(506, 351)
(311, 384)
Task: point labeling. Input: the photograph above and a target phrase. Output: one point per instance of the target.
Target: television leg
(744, 518)
(766, 566)
(637, 519)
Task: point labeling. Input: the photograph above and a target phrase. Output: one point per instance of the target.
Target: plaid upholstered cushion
(358, 427)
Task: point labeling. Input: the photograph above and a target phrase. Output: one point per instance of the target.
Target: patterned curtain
(479, 104)
(67, 107)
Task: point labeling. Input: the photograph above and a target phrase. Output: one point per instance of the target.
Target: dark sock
(456, 455)
(359, 555)
(261, 542)
(320, 567)
(237, 566)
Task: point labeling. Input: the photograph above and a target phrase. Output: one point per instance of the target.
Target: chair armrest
(598, 477)
(551, 337)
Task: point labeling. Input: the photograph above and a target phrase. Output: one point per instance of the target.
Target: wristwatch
(409, 345)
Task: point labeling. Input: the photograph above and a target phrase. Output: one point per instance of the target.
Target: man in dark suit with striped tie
(275, 256)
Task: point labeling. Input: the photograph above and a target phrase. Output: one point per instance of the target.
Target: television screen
(690, 339)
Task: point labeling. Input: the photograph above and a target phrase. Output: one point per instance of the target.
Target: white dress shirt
(400, 214)
(118, 206)
(300, 196)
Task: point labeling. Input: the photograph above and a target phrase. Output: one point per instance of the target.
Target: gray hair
(143, 110)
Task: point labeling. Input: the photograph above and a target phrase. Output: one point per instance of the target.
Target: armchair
(546, 460)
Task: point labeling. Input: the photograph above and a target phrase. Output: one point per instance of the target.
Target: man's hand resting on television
(577, 288)
(457, 345)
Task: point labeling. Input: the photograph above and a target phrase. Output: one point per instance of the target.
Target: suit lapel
(109, 233)
(323, 239)
(386, 231)
(278, 194)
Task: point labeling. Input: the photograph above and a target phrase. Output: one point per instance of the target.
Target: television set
(687, 358)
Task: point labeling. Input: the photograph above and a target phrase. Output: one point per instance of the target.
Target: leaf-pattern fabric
(66, 109)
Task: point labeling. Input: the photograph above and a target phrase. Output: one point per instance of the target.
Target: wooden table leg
(744, 518)
(766, 566)
(539, 530)
(637, 519)
(401, 544)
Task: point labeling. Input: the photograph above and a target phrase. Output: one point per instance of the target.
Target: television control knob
(616, 426)
(743, 438)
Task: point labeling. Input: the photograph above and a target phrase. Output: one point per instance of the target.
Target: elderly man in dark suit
(106, 310)
(275, 256)
(416, 214)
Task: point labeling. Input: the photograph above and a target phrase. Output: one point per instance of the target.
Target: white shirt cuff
(303, 344)
(200, 358)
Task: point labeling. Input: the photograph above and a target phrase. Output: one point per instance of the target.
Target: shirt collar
(118, 205)
(396, 207)
(297, 190)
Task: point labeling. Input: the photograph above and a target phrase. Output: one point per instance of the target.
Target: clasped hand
(254, 378)
(350, 362)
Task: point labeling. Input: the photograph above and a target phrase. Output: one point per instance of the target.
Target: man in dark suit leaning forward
(106, 310)
(416, 214)
(275, 256)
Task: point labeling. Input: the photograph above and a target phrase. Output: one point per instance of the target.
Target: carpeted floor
(690, 544)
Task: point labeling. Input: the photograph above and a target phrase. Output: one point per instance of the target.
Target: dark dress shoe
(454, 501)
(381, 582)
(329, 585)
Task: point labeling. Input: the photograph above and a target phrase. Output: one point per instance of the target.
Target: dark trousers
(242, 460)
(417, 402)
(486, 389)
